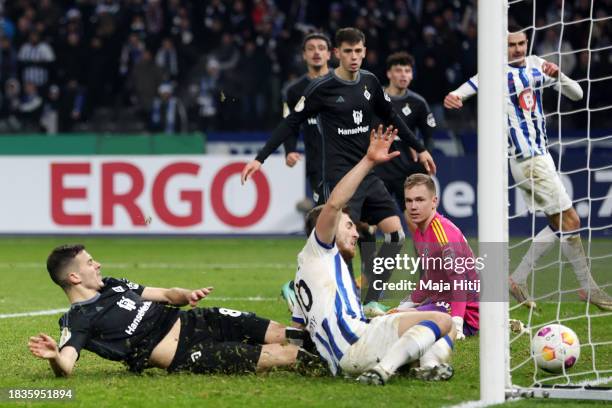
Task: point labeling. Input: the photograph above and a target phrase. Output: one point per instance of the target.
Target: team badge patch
(299, 106)
(527, 100)
(357, 116)
(65, 336)
(367, 94)
(431, 121)
(386, 97)
(406, 110)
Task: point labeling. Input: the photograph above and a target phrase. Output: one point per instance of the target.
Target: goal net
(567, 274)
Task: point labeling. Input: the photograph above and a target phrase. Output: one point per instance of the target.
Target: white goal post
(493, 220)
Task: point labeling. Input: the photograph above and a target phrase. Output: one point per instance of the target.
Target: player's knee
(395, 237)
(444, 322)
(571, 221)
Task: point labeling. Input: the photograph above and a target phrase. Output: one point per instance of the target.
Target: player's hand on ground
(380, 142)
(452, 101)
(292, 158)
(43, 346)
(198, 295)
(551, 69)
(427, 161)
(249, 169)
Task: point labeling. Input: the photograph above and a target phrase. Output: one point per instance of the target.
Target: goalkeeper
(123, 321)
(533, 168)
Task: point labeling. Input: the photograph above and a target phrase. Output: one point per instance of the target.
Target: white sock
(437, 354)
(409, 347)
(540, 245)
(572, 248)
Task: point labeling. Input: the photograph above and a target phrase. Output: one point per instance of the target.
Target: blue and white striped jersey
(525, 114)
(327, 301)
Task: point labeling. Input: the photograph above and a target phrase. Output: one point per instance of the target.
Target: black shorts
(219, 340)
(395, 178)
(372, 202)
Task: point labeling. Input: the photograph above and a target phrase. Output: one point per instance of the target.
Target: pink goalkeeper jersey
(448, 269)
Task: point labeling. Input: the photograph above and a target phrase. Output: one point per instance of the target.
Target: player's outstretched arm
(176, 296)
(378, 152)
(566, 85)
(45, 347)
(454, 100)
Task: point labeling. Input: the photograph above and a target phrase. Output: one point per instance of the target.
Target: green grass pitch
(247, 275)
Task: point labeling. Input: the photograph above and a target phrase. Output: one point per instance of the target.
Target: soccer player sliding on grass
(142, 327)
(328, 305)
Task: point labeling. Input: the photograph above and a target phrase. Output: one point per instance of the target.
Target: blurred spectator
(208, 96)
(30, 108)
(550, 48)
(167, 59)
(146, 77)
(168, 113)
(8, 60)
(131, 53)
(71, 106)
(49, 120)
(9, 107)
(35, 60)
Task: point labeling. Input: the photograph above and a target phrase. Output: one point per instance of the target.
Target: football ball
(555, 347)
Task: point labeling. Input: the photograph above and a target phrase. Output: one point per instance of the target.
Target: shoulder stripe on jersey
(534, 120)
(436, 229)
(337, 353)
(323, 244)
(341, 288)
(442, 230)
(470, 83)
(518, 110)
(346, 331)
(315, 84)
(329, 351)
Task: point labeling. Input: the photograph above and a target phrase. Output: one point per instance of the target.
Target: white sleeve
(468, 88)
(564, 84)
(314, 247)
(297, 315)
(568, 87)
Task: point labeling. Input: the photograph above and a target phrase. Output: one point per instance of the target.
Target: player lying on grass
(142, 327)
(445, 253)
(328, 304)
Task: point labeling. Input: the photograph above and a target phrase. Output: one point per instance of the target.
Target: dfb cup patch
(527, 100)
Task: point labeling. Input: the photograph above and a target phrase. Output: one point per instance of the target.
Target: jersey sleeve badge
(64, 337)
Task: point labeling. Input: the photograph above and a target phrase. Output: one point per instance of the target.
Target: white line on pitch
(208, 300)
(160, 265)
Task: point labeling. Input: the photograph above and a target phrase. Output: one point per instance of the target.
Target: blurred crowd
(208, 65)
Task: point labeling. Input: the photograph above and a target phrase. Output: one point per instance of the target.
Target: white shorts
(380, 335)
(541, 185)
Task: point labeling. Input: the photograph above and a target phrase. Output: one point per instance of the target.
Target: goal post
(492, 199)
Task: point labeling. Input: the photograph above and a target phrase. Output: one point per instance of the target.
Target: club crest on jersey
(526, 100)
(406, 110)
(357, 116)
(299, 106)
(431, 121)
(386, 97)
(366, 93)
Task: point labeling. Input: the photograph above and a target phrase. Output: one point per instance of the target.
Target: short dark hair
(515, 28)
(349, 35)
(316, 36)
(313, 215)
(59, 259)
(399, 58)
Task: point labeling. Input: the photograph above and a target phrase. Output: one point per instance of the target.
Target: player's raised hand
(452, 101)
(551, 69)
(380, 141)
(428, 162)
(249, 169)
(292, 158)
(43, 346)
(199, 294)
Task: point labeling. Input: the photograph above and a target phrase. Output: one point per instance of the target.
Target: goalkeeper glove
(458, 323)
